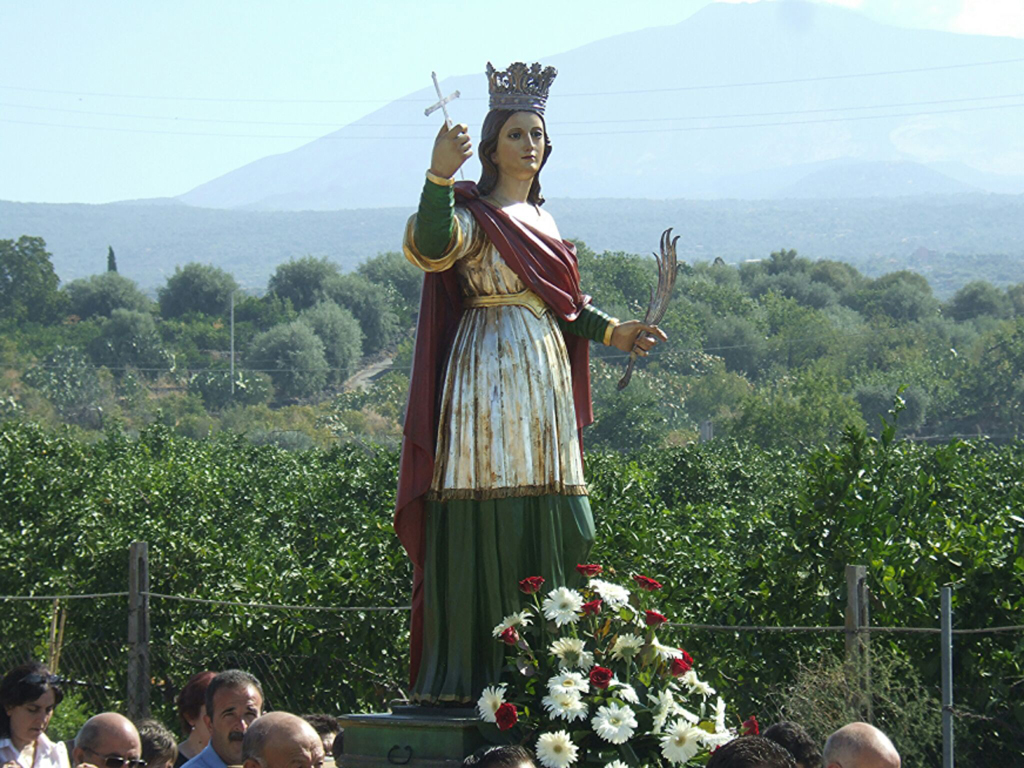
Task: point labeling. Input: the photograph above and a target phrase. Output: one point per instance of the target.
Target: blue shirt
(208, 758)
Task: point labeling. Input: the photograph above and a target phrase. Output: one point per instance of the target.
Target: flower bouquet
(589, 680)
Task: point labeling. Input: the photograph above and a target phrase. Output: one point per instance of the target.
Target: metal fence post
(947, 675)
(858, 649)
(138, 631)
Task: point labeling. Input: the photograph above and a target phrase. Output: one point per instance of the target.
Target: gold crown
(520, 87)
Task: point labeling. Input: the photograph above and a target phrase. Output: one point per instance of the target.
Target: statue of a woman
(491, 486)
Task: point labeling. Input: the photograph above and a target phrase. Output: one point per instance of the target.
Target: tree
(303, 281)
(130, 338)
(341, 335)
(394, 269)
(903, 296)
(739, 342)
(111, 259)
(369, 304)
(28, 282)
(293, 356)
(977, 299)
(99, 295)
(69, 381)
(876, 400)
(195, 287)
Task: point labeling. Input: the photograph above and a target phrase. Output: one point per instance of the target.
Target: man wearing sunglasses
(108, 740)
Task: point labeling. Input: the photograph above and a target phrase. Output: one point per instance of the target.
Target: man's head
(860, 745)
(234, 699)
(751, 752)
(282, 740)
(328, 729)
(510, 756)
(795, 740)
(108, 740)
(159, 749)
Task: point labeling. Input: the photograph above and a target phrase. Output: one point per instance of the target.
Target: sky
(116, 100)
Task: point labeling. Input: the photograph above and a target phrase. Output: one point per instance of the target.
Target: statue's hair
(493, 124)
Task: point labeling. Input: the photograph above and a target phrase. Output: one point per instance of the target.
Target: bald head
(860, 745)
(105, 735)
(282, 740)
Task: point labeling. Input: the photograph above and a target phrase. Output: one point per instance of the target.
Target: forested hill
(951, 239)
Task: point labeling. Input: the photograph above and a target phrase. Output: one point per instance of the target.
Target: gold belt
(526, 298)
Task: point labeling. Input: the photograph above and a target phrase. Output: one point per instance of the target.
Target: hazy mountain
(952, 239)
(610, 107)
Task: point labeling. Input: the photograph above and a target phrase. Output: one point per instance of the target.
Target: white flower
(614, 595)
(568, 706)
(556, 750)
(681, 742)
(665, 652)
(572, 653)
(687, 715)
(490, 700)
(624, 691)
(713, 740)
(664, 707)
(614, 724)
(627, 646)
(616, 764)
(568, 682)
(697, 686)
(563, 606)
(720, 716)
(521, 619)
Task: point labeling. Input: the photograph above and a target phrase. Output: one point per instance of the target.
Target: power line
(675, 89)
(584, 133)
(420, 125)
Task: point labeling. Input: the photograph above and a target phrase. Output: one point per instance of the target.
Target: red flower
(531, 584)
(749, 727)
(682, 665)
(601, 677)
(589, 570)
(506, 715)
(653, 618)
(510, 636)
(645, 583)
(592, 608)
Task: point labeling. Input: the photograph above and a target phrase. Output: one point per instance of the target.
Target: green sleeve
(434, 220)
(591, 323)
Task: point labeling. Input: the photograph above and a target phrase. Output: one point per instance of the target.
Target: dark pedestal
(419, 737)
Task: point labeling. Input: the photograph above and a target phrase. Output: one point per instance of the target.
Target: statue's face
(521, 144)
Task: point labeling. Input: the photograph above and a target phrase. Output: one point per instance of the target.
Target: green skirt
(477, 552)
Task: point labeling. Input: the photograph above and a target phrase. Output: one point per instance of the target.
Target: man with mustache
(234, 699)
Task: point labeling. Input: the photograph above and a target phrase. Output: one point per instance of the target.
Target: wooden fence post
(858, 640)
(138, 631)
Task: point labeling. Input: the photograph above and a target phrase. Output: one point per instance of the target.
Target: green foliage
(197, 288)
(393, 271)
(293, 356)
(737, 534)
(341, 335)
(28, 282)
(70, 716)
(302, 281)
(100, 295)
(875, 402)
(370, 306)
(903, 296)
(111, 259)
(129, 338)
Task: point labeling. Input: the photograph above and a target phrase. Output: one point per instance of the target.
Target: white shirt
(48, 754)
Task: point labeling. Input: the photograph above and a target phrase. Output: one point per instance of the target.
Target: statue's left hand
(634, 332)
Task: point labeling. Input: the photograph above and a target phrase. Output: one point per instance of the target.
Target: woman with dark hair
(491, 486)
(191, 708)
(28, 696)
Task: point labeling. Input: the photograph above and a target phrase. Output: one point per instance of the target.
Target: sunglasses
(35, 678)
(116, 761)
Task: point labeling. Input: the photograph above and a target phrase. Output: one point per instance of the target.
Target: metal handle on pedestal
(408, 755)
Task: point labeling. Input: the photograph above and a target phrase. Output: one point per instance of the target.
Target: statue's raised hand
(452, 148)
